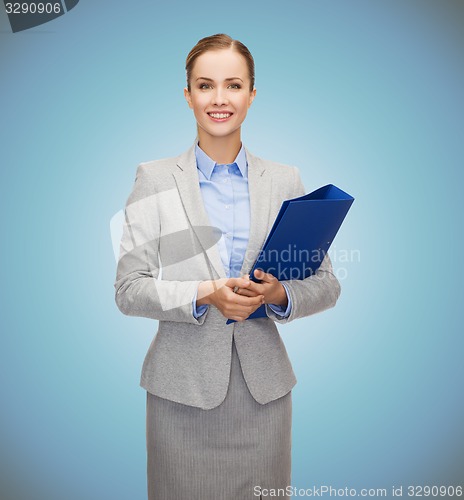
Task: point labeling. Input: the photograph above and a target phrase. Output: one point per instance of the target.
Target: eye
(235, 85)
(203, 86)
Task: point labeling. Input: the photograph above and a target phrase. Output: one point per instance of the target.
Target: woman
(218, 395)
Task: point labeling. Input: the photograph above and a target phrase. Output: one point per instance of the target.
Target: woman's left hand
(270, 287)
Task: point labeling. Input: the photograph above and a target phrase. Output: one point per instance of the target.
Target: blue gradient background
(367, 95)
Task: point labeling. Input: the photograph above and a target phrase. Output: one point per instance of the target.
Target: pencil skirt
(230, 452)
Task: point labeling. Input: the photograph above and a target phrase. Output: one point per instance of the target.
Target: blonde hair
(217, 42)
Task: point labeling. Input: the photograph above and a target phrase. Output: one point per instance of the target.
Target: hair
(217, 42)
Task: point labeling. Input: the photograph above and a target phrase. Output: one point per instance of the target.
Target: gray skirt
(230, 452)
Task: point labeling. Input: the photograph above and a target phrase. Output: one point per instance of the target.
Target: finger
(255, 287)
(247, 292)
(244, 311)
(237, 282)
(247, 301)
(261, 275)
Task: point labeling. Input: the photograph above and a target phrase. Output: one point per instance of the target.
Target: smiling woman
(219, 91)
(219, 405)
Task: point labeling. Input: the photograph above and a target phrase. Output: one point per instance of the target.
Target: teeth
(219, 115)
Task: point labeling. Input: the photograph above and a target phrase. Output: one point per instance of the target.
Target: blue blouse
(224, 189)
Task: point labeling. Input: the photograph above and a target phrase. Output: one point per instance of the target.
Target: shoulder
(163, 166)
(280, 172)
(152, 177)
(273, 166)
(286, 177)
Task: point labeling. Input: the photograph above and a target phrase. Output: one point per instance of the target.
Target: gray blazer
(168, 247)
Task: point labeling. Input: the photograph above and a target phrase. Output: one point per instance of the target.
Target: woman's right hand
(220, 293)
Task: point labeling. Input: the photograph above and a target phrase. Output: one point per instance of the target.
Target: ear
(252, 96)
(188, 98)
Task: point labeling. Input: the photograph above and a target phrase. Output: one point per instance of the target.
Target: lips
(220, 116)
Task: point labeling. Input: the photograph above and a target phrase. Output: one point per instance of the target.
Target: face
(219, 92)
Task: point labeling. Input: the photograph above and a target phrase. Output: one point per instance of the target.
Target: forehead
(220, 64)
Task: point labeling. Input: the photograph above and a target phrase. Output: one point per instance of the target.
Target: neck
(220, 149)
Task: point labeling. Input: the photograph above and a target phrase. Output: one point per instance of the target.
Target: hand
(272, 289)
(232, 305)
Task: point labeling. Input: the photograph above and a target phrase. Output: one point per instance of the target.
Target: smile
(220, 116)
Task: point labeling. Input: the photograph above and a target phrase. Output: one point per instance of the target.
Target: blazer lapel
(186, 177)
(260, 191)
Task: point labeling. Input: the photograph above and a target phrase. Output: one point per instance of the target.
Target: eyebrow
(227, 79)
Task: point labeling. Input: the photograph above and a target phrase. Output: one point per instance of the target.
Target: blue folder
(301, 236)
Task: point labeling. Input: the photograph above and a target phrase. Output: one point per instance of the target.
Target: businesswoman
(218, 395)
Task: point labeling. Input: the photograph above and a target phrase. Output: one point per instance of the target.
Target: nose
(219, 97)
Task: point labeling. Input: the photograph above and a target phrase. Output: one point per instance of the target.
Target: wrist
(281, 299)
(205, 290)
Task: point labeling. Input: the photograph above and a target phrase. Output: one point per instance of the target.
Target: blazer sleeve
(138, 289)
(317, 292)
